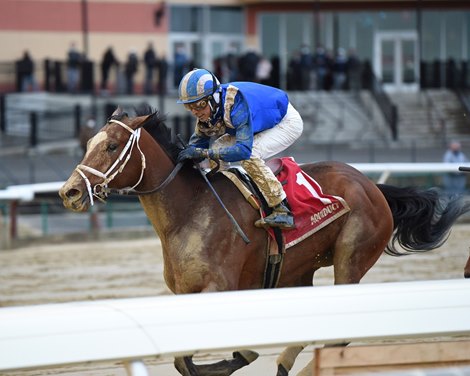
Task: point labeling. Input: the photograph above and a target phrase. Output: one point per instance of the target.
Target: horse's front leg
(242, 358)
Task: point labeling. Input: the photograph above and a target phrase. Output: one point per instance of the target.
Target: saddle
(248, 188)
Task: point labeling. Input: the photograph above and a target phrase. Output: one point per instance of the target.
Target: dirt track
(122, 269)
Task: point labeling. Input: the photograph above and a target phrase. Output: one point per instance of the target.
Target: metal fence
(29, 125)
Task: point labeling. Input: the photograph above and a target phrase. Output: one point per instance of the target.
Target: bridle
(101, 190)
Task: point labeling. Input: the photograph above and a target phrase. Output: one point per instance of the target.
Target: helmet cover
(197, 84)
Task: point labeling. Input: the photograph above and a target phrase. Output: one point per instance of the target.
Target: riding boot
(272, 191)
(280, 217)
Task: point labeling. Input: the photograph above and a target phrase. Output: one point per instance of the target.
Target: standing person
(263, 71)
(293, 72)
(130, 70)
(306, 67)
(231, 61)
(250, 122)
(162, 75)
(455, 182)
(109, 60)
(321, 67)
(74, 59)
(181, 63)
(353, 71)
(150, 62)
(340, 68)
(26, 72)
(248, 65)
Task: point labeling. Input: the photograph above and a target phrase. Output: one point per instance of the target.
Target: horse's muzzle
(74, 199)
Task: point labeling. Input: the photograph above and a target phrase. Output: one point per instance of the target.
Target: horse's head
(114, 159)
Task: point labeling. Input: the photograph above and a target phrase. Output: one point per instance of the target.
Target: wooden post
(5, 236)
(389, 357)
(3, 116)
(94, 220)
(13, 220)
(44, 219)
(33, 135)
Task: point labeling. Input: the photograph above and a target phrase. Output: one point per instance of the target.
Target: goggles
(198, 106)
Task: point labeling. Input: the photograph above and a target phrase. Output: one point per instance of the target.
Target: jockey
(249, 123)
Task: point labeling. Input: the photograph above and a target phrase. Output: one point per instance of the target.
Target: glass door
(396, 60)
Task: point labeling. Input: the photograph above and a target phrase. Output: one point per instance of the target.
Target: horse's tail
(422, 219)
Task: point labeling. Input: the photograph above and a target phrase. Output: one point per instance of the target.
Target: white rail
(27, 192)
(386, 169)
(131, 329)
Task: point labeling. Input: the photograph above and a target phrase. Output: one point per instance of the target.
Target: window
(454, 34)
(295, 34)
(186, 19)
(226, 20)
(431, 36)
(270, 38)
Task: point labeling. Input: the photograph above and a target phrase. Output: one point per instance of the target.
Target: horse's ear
(140, 121)
(117, 112)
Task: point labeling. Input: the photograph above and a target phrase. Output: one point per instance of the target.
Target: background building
(405, 41)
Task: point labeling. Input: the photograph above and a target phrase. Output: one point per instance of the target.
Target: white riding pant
(266, 144)
(271, 141)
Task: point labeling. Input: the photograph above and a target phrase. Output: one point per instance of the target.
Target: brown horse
(202, 250)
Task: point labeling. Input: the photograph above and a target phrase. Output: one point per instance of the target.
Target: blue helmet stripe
(196, 85)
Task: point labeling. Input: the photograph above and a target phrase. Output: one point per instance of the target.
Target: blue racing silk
(246, 108)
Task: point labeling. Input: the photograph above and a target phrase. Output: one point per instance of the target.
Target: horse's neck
(158, 167)
(167, 208)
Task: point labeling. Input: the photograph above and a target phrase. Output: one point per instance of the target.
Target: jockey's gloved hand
(192, 152)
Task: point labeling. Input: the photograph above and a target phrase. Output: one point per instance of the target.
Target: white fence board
(27, 192)
(407, 167)
(46, 335)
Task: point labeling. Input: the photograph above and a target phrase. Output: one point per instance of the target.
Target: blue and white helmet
(197, 84)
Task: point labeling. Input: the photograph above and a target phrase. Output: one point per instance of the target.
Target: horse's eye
(112, 147)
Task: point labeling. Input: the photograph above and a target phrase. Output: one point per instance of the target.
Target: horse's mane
(157, 128)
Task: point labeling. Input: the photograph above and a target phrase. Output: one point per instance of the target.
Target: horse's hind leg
(185, 366)
(286, 359)
(242, 358)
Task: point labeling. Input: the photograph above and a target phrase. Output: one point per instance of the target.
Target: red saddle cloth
(312, 209)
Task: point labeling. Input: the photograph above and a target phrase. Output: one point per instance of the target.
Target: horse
(202, 249)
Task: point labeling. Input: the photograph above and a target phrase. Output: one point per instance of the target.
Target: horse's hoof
(247, 355)
(281, 371)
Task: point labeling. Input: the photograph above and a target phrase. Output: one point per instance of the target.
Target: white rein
(100, 191)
